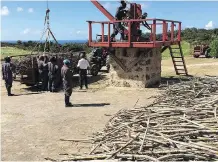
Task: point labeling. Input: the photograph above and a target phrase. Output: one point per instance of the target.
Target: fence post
(102, 32)
(109, 34)
(154, 31)
(90, 32)
(172, 31)
(129, 34)
(164, 31)
(179, 32)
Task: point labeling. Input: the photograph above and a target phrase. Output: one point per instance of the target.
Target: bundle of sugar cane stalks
(181, 125)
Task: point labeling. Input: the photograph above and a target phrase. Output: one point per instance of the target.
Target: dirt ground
(33, 123)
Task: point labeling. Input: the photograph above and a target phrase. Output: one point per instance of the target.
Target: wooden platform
(155, 44)
(170, 35)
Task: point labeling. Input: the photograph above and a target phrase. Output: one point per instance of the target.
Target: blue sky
(24, 20)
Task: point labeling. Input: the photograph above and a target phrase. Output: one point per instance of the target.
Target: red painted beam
(103, 10)
(179, 30)
(157, 44)
(136, 20)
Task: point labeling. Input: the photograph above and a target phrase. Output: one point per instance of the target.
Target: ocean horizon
(59, 41)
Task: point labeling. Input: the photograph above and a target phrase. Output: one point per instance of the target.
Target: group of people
(48, 74)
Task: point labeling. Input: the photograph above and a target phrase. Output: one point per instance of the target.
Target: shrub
(214, 48)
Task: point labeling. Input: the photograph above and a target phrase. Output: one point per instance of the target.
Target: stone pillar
(135, 67)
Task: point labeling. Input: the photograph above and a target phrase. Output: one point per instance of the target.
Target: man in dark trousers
(52, 74)
(43, 72)
(7, 74)
(83, 65)
(118, 28)
(40, 68)
(67, 82)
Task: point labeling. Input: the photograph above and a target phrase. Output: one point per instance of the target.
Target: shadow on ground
(175, 79)
(91, 80)
(170, 80)
(91, 105)
(103, 76)
(25, 94)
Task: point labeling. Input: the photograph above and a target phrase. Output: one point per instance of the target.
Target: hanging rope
(46, 31)
(47, 4)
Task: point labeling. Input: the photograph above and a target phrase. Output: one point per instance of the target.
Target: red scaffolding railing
(168, 36)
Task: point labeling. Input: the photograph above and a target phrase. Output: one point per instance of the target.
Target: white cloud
(29, 31)
(19, 9)
(81, 32)
(26, 31)
(209, 25)
(30, 10)
(4, 11)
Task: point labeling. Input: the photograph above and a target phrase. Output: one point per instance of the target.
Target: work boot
(9, 92)
(69, 105)
(67, 101)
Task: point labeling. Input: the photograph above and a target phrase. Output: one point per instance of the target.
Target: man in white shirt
(83, 65)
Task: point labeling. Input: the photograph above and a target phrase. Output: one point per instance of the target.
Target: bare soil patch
(33, 123)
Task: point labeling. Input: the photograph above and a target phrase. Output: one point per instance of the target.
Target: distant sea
(59, 41)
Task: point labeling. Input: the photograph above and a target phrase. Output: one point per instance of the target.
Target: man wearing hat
(67, 81)
(7, 74)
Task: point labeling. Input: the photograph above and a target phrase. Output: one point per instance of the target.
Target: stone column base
(135, 67)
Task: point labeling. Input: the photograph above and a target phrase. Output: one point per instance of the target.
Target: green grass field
(185, 48)
(12, 51)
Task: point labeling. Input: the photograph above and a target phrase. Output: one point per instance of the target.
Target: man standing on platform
(83, 65)
(118, 27)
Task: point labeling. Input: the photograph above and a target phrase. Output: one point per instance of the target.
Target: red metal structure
(134, 35)
(133, 25)
(131, 42)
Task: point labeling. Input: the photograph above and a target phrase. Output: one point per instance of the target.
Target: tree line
(191, 35)
(48, 47)
(196, 36)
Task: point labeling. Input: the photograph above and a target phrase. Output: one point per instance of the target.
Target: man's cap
(144, 15)
(66, 61)
(8, 59)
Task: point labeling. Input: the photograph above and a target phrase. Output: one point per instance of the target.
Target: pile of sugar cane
(181, 124)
